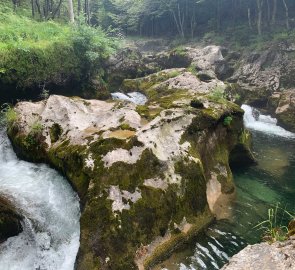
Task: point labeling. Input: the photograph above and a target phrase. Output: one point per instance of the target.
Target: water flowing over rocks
(263, 78)
(143, 172)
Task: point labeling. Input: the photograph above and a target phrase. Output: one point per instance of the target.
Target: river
(51, 229)
(259, 188)
(51, 211)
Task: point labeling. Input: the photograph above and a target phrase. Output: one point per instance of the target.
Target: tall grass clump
(275, 227)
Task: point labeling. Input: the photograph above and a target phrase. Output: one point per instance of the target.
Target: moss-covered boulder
(150, 176)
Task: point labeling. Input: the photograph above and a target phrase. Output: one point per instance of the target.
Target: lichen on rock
(135, 187)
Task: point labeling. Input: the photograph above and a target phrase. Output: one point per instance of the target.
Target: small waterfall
(263, 123)
(134, 97)
(51, 228)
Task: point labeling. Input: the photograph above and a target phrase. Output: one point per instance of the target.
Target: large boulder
(277, 256)
(149, 176)
(285, 111)
(133, 62)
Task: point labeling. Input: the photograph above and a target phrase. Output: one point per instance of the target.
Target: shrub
(8, 115)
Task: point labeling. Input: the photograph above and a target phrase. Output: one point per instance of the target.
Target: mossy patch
(55, 131)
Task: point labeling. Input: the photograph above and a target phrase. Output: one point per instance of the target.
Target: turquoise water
(260, 187)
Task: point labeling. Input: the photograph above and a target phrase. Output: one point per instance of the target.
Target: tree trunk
(39, 9)
(33, 8)
(287, 14)
(274, 11)
(79, 7)
(249, 18)
(57, 9)
(71, 11)
(87, 11)
(268, 13)
(259, 16)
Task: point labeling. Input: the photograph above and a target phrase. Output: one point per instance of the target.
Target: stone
(134, 188)
(276, 256)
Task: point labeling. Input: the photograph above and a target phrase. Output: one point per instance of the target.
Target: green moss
(194, 187)
(143, 111)
(55, 132)
(126, 126)
(177, 241)
(130, 176)
(146, 83)
(69, 159)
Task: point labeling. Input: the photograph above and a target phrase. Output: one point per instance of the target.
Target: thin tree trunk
(274, 11)
(33, 8)
(87, 11)
(259, 18)
(176, 22)
(71, 11)
(39, 9)
(249, 18)
(268, 13)
(57, 9)
(79, 7)
(287, 14)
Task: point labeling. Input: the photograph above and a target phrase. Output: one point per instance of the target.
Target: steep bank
(149, 176)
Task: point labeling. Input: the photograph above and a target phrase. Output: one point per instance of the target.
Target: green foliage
(217, 94)
(8, 115)
(273, 228)
(34, 138)
(36, 128)
(36, 53)
(227, 121)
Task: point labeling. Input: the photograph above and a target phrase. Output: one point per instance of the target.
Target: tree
(259, 15)
(71, 11)
(287, 14)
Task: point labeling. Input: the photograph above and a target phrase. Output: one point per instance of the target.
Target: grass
(34, 53)
(274, 228)
(217, 94)
(8, 115)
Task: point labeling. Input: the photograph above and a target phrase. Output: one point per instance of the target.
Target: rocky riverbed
(149, 176)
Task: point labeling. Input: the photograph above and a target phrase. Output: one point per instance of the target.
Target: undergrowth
(35, 53)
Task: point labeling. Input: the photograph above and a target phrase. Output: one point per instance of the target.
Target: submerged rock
(277, 256)
(10, 221)
(143, 172)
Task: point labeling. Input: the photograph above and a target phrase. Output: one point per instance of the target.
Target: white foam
(51, 229)
(263, 123)
(135, 97)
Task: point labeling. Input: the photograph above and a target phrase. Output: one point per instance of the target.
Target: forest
(183, 18)
(147, 134)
